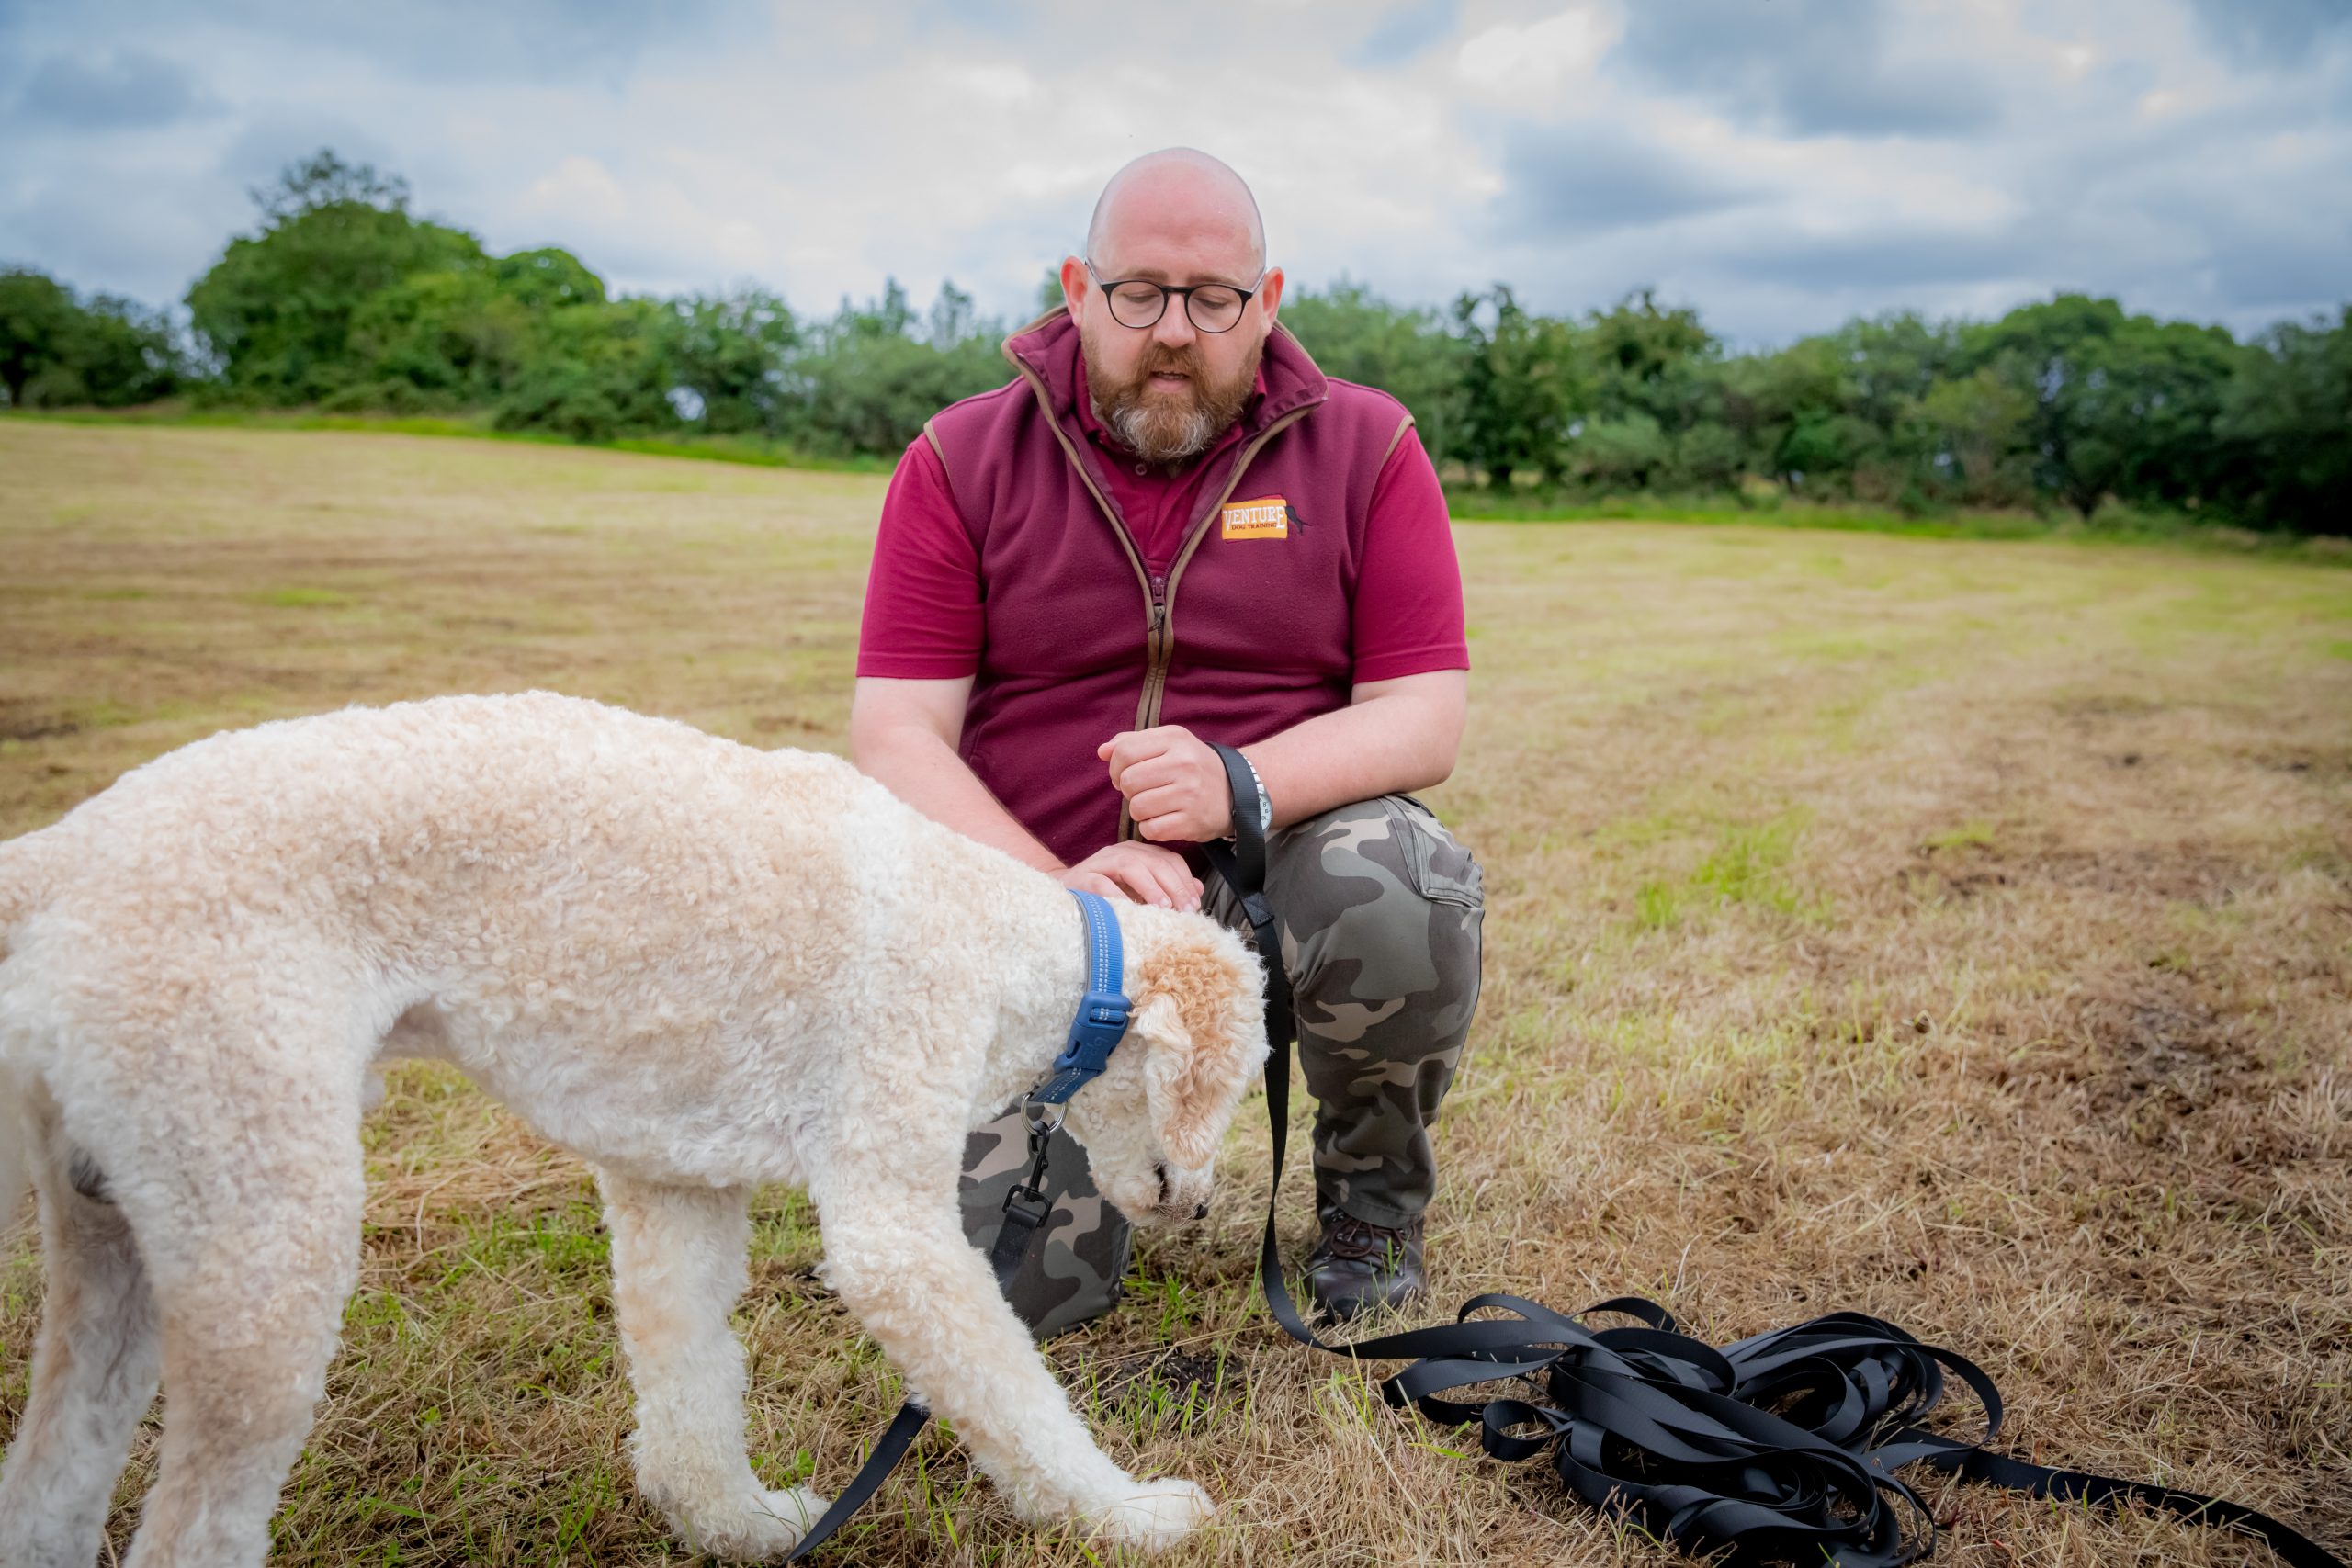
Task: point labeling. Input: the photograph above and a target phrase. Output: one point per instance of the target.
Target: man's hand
(1144, 873)
(1175, 785)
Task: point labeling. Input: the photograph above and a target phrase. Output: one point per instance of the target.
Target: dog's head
(1153, 1121)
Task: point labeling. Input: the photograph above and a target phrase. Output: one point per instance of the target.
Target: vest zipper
(1163, 617)
(1160, 593)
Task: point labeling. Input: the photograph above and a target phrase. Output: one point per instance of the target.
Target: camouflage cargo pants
(1380, 911)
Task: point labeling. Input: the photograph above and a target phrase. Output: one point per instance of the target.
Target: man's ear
(1203, 1041)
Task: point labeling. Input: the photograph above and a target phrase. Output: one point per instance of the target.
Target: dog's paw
(763, 1527)
(1153, 1515)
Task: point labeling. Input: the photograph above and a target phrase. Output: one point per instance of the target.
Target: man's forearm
(1385, 744)
(923, 771)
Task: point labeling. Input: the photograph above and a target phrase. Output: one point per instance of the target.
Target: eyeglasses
(1138, 302)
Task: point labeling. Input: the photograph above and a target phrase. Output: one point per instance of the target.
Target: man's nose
(1174, 329)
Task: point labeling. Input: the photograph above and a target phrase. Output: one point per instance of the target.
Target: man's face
(1170, 390)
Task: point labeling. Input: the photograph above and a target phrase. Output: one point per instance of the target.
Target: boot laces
(1362, 1241)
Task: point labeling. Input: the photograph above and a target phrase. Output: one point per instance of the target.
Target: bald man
(1170, 528)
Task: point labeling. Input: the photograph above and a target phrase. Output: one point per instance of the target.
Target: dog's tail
(21, 887)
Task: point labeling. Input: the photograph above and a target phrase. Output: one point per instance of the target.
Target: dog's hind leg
(93, 1377)
(678, 1266)
(251, 1234)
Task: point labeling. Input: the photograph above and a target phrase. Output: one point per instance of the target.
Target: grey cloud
(1808, 66)
(1883, 259)
(2292, 273)
(2273, 32)
(1578, 181)
(129, 89)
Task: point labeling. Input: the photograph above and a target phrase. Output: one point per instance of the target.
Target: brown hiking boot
(1359, 1265)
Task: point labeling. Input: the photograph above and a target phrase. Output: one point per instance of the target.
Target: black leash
(1781, 1447)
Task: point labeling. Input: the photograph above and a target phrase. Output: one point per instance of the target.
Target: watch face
(1265, 811)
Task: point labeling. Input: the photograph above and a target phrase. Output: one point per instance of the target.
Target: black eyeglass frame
(1248, 294)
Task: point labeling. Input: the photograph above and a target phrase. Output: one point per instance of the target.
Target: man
(1025, 676)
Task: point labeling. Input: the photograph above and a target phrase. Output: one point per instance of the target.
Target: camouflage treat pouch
(1073, 1271)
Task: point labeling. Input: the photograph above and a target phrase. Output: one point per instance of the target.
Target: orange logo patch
(1268, 517)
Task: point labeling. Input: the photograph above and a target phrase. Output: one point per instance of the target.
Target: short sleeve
(923, 618)
(1407, 610)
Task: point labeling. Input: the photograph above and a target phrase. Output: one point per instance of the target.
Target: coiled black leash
(1779, 1448)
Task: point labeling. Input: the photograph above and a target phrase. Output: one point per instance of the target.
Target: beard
(1167, 427)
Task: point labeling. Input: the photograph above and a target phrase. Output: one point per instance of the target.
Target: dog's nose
(1200, 1213)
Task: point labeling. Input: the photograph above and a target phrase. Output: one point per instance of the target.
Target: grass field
(1956, 930)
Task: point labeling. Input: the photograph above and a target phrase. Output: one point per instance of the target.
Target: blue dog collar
(1102, 1020)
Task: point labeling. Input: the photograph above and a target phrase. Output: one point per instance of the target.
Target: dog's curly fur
(698, 966)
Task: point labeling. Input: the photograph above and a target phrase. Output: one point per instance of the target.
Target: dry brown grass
(1955, 930)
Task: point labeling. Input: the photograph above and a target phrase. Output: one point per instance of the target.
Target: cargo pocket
(1440, 868)
(1077, 1261)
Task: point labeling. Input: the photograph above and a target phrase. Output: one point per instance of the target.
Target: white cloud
(1541, 56)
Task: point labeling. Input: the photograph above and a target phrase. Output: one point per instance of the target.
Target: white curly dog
(698, 966)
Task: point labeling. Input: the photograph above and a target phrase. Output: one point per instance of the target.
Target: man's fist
(1145, 872)
(1175, 786)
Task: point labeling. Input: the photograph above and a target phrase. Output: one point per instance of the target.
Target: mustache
(1162, 360)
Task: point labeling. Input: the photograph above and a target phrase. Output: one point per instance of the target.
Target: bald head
(1182, 199)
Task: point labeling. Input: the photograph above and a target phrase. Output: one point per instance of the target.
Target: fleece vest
(1248, 632)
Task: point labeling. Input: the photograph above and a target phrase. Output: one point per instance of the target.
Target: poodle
(698, 966)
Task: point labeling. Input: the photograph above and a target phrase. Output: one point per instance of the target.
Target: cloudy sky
(1781, 163)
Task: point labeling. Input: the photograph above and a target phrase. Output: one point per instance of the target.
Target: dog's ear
(1201, 1017)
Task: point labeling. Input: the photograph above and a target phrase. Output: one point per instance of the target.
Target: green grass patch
(303, 599)
(1750, 865)
(1975, 834)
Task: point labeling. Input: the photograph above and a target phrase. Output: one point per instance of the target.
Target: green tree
(1408, 354)
(1647, 360)
(1973, 430)
(433, 340)
(1521, 386)
(276, 310)
(1710, 456)
(36, 319)
(733, 352)
(2288, 422)
(594, 373)
(2122, 405)
(117, 352)
(1613, 455)
(869, 378)
(57, 350)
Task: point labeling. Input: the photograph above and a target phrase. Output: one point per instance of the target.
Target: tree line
(345, 299)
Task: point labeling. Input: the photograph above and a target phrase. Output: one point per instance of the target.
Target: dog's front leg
(901, 1262)
(677, 1270)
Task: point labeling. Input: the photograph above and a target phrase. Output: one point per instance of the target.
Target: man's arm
(1394, 736)
(903, 733)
